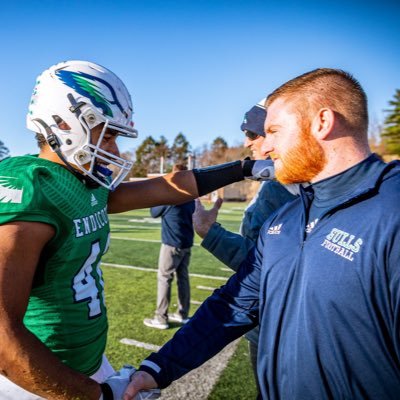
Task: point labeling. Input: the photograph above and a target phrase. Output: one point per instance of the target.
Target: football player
(54, 228)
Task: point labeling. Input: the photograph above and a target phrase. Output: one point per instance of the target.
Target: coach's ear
(323, 123)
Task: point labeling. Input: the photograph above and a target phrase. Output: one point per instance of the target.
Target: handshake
(113, 388)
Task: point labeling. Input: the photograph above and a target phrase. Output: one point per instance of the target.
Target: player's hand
(140, 381)
(203, 219)
(258, 170)
(119, 381)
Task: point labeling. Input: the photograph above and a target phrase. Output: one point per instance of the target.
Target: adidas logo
(275, 230)
(93, 201)
(8, 192)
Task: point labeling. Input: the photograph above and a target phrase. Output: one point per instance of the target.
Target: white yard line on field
(133, 342)
(141, 240)
(146, 220)
(135, 239)
(205, 287)
(218, 278)
(131, 226)
(128, 267)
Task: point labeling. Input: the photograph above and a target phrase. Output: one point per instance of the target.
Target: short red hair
(327, 88)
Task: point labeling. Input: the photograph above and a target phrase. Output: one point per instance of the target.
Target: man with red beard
(232, 248)
(323, 282)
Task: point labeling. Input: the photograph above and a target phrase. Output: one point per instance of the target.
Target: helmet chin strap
(54, 143)
(103, 170)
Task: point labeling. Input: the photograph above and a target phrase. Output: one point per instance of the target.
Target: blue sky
(195, 66)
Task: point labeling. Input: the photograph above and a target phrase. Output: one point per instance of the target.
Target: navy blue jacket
(232, 248)
(328, 302)
(177, 224)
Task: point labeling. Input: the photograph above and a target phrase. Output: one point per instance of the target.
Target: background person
(177, 241)
(323, 281)
(232, 248)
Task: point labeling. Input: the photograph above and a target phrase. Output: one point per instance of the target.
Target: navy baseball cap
(254, 119)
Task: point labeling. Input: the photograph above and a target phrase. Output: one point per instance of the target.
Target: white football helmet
(80, 95)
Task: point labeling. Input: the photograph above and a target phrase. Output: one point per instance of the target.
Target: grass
(237, 377)
(131, 294)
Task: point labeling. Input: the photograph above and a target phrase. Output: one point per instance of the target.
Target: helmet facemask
(80, 96)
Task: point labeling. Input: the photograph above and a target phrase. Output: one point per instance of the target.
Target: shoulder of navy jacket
(392, 167)
(372, 182)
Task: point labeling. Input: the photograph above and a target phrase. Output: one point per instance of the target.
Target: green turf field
(130, 276)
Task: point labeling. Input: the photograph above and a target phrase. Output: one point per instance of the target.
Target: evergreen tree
(219, 148)
(219, 152)
(391, 129)
(146, 158)
(163, 152)
(4, 152)
(180, 149)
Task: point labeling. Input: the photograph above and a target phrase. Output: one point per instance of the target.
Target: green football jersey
(66, 308)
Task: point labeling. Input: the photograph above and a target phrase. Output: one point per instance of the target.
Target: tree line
(156, 155)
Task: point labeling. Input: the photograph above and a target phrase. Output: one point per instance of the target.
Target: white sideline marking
(134, 239)
(129, 267)
(142, 240)
(205, 288)
(225, 269)
(131, 226)
(147, 346)
(146, 220)
(218, 278)
(196, 302)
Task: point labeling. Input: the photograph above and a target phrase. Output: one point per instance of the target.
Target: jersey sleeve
(229, 247)
(22, 198)
(232, 248)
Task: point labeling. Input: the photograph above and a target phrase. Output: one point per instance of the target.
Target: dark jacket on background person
(176, 225)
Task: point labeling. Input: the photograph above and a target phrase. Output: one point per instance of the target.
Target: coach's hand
(140, 381)
(203, 219)
(114, 386)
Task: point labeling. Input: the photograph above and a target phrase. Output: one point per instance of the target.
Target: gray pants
(173, 260)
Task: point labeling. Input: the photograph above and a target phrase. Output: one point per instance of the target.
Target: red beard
(302, 162)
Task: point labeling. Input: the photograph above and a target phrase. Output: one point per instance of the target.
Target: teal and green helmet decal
(87, 85)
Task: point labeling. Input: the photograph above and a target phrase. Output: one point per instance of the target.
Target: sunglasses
(251, 135)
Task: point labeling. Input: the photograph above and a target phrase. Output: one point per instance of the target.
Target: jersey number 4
(84, 284)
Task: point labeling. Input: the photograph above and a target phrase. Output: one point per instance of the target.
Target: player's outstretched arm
(182, 186)
(173, 188)
(23, 358)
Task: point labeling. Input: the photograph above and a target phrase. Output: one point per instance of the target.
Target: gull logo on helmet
(88, 86)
